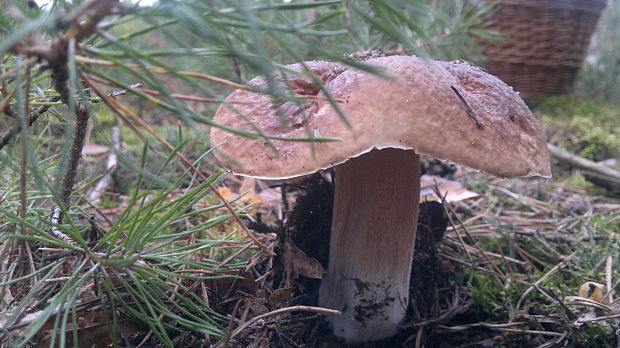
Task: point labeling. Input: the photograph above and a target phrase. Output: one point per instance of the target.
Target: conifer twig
(116, 106)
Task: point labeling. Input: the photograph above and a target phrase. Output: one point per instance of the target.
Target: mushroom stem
(372, 240)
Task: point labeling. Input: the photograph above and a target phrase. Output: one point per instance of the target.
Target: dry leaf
(247, 185)
(250, 197)
(593, 291)
(226, 193)
(296, 262)
(94, 149)
(453, 191)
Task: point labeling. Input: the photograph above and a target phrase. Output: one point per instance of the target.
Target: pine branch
(6, 138)
(75, 152)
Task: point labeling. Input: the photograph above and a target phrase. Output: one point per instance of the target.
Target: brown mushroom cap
(423, 108)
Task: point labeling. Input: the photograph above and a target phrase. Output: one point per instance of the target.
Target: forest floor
(519, 262)
(524, 262)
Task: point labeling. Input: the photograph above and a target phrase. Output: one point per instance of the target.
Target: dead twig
(468, 109)
(552, 271)
(116, 106)
(202, 76)
(56, 232)
(32, 117)
(589, 320)
(231, 322)
(276, 312)
(501, 327)
(582, 163)
(111, 163)
(75, 153)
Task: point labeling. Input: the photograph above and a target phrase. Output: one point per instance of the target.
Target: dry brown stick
(116, 105)
(94, 196)
(75, 152)
(32, 117)
(159, 70)
(418, 338)
(280, 311)
(55, 219)
(588, 320)
(581, 162)
(23, 175)
(28, 63)
(552, 271)
(202, 76)
(460, 238)
(475, 244)
(500, 327)
(233, 255)
(527, 255)
(608, 279)
(604, 181)
(95, 11)
(582, 301)
(468, 109)
(488, 253)
(231, 322)
(7, 100)
(205, 99)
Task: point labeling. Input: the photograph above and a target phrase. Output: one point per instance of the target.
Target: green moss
(593, 335)
(596, 140)
(489, 299)
(588, 128)
(578, 180)
(566, 107)
(104, 116)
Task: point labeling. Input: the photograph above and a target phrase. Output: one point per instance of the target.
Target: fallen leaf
(226, 193)
(296, 262)
(453, 191)
(593, 291)
(247, 185)
(248, 197)
(94, 149)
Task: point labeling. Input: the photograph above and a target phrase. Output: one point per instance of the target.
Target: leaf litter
(500, 263)
(507, 262)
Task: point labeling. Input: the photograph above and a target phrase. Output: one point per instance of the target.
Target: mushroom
(450, 110)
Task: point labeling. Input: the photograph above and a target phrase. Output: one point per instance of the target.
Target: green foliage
(578, 180)
(591, 129)
(592, 335)
(487, 297)
(596, 141)
(599, 77)
(567, 107)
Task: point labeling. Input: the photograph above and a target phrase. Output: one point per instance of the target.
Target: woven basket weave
(547, 42)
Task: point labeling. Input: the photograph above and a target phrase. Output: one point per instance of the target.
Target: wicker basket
(547, 42)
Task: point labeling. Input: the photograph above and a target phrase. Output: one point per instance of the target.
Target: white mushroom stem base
(374, 224)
